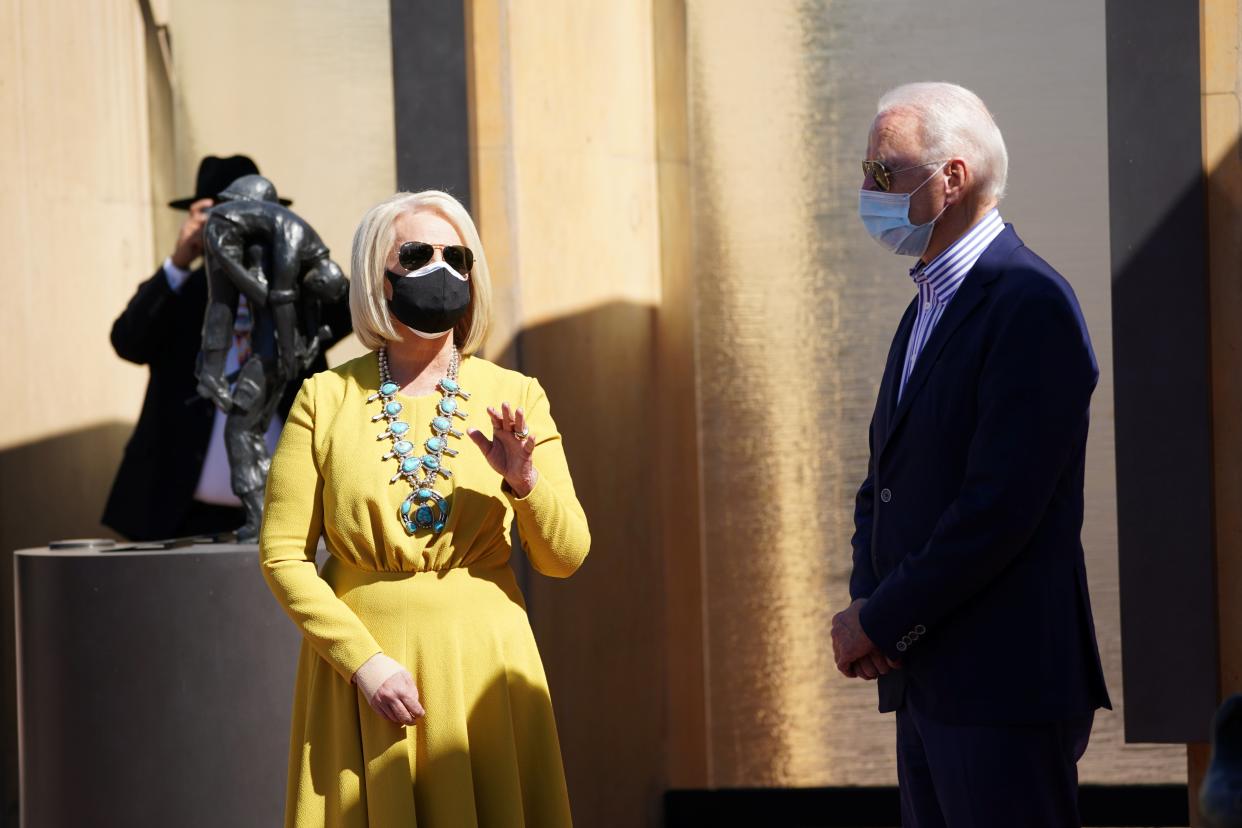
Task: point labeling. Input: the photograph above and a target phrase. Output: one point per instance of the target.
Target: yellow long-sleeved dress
(445, 606)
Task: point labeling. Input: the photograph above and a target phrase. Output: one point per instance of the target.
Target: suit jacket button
(901, 646)
(920, 629)
(886, 495)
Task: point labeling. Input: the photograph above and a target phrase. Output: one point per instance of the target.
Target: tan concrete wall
(75, 221)
(1222, 162)
(566, 191)
(76, 234)
(768, 291)
(105, 108)
(303, 88)
(1221, 42)
(688, 749)
(797, 308)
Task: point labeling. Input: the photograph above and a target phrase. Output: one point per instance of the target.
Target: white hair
(374, 238)
(955, 124)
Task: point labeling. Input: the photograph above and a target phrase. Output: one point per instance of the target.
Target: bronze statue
(254, 247)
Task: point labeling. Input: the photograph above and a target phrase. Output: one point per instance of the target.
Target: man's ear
(958, 176)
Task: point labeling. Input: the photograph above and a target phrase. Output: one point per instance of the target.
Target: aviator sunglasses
(883, 176)
(415, 254)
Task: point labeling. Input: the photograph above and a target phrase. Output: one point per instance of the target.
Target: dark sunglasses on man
(883, 176)
(415, 254)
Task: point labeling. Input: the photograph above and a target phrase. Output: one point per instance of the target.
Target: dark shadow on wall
(601, 633)
(1167, 391)
(50, 489)
(1164, 467)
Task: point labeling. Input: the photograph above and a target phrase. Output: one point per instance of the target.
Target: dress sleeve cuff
(374, 672)
(348, 657)
(535, 499)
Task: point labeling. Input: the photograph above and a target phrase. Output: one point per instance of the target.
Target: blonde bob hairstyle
(373, 240)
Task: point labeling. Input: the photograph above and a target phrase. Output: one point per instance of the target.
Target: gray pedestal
(154, 688)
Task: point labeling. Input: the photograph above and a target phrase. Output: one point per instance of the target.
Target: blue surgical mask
(887, 219)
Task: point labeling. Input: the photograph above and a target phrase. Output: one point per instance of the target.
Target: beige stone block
(1219, 45)
(75, 224)
(303, 88)
(1222, 130)
(564, 156)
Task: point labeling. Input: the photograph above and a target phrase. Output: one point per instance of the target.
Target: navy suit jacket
(968, 526)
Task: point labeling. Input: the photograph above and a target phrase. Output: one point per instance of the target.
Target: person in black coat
(174, 477)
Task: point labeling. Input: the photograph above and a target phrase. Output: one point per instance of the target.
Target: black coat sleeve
(144, 328)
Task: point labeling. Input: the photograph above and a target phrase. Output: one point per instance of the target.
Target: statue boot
(217, 335)
(252, 505)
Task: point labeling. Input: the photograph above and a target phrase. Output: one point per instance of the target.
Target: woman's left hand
(510, 449)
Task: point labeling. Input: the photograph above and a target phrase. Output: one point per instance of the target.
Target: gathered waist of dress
(371, 591)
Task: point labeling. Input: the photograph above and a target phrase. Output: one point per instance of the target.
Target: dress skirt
(486, 754)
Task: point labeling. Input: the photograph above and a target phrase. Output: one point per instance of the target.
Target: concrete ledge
(154, 687)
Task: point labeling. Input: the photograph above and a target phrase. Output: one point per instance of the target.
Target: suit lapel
(969, 295)
(886, 402)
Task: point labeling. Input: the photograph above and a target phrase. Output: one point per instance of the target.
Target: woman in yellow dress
(420, 697)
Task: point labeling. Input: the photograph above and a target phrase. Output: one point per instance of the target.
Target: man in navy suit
(969, 587)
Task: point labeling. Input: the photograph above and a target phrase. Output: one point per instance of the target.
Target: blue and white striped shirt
(938, 281)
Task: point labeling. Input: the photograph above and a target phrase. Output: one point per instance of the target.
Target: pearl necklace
(425, 508)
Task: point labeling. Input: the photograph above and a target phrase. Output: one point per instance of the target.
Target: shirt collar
(942, 276)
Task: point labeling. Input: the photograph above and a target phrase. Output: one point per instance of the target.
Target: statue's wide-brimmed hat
(215, 174)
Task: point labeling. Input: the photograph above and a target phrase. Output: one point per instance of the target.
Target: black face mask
(430, 300)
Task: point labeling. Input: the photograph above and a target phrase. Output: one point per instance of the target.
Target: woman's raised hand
(510, 449)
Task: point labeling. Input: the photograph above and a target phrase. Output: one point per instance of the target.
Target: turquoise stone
(435, 444)
(389, 388)
(409, 464)
(431, 461)
(448, 406)
(423, 516)
(399, 428)
(392, 409)
(424, 494)
(441, 423)
(405, 508)
(449, 385)
(403, 447)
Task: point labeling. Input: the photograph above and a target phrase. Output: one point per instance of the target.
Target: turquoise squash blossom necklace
(425, 508)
